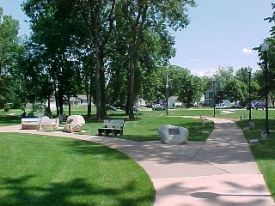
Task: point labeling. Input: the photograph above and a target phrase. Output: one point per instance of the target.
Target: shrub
(7, 107)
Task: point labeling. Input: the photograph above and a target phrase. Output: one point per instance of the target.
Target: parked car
(158, 107)
(221, 106)
(256, 105)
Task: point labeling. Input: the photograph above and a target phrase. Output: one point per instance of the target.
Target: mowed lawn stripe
(40, 170)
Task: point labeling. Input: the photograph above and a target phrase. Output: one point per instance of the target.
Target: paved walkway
(219, 172)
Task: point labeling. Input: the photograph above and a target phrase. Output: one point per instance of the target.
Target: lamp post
(249, 69)
(167, 94)
(264, 48)
(214, 98)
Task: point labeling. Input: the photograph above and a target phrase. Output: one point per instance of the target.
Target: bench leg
(106, 133)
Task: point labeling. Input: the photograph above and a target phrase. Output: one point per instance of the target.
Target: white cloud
(203, 71)
(247, 51)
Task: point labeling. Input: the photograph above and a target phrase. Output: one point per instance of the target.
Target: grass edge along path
(264, 153)
(42, 170)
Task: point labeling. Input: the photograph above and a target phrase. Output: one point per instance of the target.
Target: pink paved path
(219, 172)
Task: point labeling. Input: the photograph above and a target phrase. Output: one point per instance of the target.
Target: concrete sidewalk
(219, 172)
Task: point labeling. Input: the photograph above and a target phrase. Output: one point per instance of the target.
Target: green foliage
(7, 107)
(108, 49)
(10, 51)
(268, 58)
(191, 90)
(187, 87)
(222, 76)
(236, 90)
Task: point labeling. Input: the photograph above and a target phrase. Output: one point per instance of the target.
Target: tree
(9, 53)
(222, 76)
(140, 16)
(236, 90)
(242, 74)
(53, 44)
(122, 42)
(191, 90)
(181, 82)
(269, 56)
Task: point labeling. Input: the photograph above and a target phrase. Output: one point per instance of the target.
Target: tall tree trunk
(56, 98)
(131, 83)
(89, 98)
(60, 101)
(49, 104)
(127, 108)
(136, 31)
(89, 105)
(98, 87)
(103, 89)
(87, 92)
(69, 104)
(60, 96)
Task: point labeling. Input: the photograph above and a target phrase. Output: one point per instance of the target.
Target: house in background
(77, 100)
(141, 102)
(82, 98)
(209, 97)
(174, 102)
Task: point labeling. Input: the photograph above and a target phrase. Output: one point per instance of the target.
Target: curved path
(219, 172)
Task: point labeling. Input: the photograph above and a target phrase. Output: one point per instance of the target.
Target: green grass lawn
(144, 128)
(264, 153)
(40, 170)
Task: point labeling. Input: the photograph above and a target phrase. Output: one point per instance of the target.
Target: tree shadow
(93, 149)
(264, 150)
(74, 192)
(141, 138)
(241, 194)
(6, 120)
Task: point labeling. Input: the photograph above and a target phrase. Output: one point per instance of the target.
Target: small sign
(174, 131)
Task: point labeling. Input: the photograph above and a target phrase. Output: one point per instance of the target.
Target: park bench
(113, 126)
(37, 124)
(30, 123)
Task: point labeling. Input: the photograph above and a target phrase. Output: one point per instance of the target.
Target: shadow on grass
(7, 120)
(94, 150)
(265, 150)
(93, 119)
(117, 115)
(75, 192)
(141, 138)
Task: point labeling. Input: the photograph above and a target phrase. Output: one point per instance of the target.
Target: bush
(7, 107)
(30, 114)
(48, 112)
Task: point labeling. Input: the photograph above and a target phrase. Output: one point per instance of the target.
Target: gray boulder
(170, 134)
(74, 123)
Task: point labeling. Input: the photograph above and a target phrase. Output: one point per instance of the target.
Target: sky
(221, 33)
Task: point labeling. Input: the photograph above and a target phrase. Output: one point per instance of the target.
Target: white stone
(47, 124)
(254, 141)
(45, 121)
(170, 134)
(74, 123)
